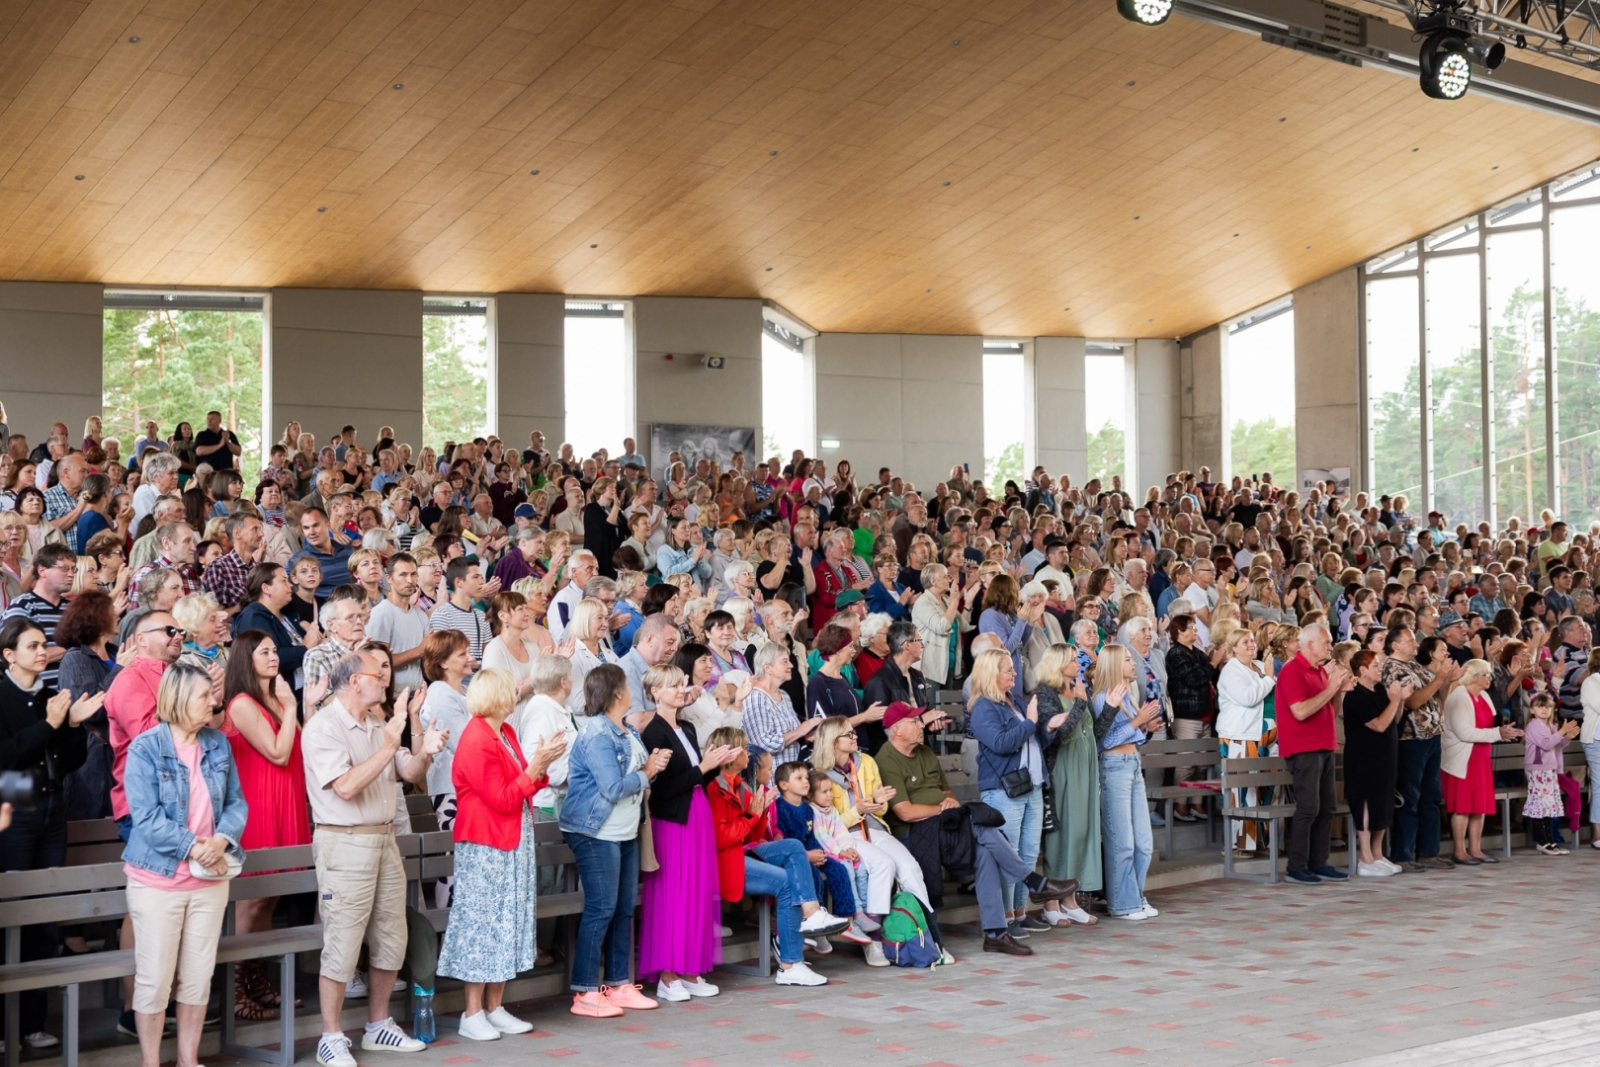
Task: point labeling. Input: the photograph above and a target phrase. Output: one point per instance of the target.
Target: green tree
(1007, 465)
(1264, 446)
(174, 366)
(455, 378)
(1107, 452)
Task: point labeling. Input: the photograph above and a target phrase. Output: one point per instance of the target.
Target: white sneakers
(800, 974)
(334, 1051)
(490, 1025)
(1374, 870)
(1067, 916)
(823, 921)
(1145, 912)
(356, 988)
(684, 988)
(855, 935)
(873, 953)
(388, 1037)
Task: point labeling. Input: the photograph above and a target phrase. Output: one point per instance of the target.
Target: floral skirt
(1544, 796)
(491, 936)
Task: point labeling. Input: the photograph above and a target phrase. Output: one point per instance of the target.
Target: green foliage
(174, 366)
(1264, 446)
(1007, 465)
(455, 378)
(1107, 452)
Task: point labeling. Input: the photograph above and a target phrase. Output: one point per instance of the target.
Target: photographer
(40, 737)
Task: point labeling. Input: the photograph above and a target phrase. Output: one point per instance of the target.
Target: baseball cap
(848, 597)
(1450, 618)
(898, 712)
(525, 511)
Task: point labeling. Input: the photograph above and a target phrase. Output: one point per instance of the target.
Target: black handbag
(1019, 783)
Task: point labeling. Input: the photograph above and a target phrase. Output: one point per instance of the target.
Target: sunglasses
(170, 631)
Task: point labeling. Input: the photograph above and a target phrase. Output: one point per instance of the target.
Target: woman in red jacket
(491, 935)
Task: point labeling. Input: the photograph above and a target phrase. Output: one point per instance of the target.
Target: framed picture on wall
(694, 442)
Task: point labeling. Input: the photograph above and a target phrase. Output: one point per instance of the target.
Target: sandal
(244, 1006)
(260, 987)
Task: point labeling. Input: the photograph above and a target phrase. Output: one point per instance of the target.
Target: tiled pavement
(1231, 973)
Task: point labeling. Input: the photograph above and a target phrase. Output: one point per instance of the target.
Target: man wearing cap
(918, 816)
(1453, 628)
(852, 601)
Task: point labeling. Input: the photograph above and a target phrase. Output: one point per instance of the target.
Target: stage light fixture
(1145, 12)
(1446, 69)
(1487, 54)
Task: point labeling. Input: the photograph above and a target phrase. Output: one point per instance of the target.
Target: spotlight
(1487, 54)
(1446, 71)
(1145, 12)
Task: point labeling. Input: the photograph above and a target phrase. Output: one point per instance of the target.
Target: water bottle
(422, 1023)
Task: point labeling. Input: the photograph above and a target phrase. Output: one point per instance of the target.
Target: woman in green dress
(1071, 842)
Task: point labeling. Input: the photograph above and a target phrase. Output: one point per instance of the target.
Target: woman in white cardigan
(1465, 764)
(1245, 728)
(937, 615)
(1590, 695)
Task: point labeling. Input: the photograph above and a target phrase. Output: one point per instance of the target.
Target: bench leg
(69, 1027)
(1350, 839)
(286, 1010)
(1272, 849)
(283, 1055)
(14, 1026)
(1227, 861)
(1166, 853)
(762, 967)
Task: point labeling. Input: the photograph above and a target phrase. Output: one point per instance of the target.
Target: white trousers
(885, 853)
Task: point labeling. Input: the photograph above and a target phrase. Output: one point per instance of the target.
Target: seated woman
(752, 860)
(797, 823)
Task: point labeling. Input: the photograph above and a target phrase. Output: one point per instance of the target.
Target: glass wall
(1105, 402)
(1003, 391)
(1259, 378)
(455, 370)
(1483, 361)
(788, 394)
(598, 349)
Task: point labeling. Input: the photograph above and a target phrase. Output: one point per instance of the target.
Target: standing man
(400, 624)
(1415, 837)
(334, 559)
(63, 502)
(465, 582)
(55, 567)
(562, 606)
(654, 643)
(353, 759)
(227, 575)
(216, 446)
(1307, 743)
(160, 479)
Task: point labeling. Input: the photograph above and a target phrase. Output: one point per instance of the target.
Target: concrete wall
(1327, 375)
(1060, 406)
(51, 356)
(530, 332)
(912, 402)
(347, 356)
(1202, 442)
(1156, 391)
(680, 390)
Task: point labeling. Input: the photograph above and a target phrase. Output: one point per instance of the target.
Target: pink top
(200, 825)
(1542, 747)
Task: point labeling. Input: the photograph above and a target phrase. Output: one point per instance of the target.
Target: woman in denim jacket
(188, 813)
(608, 771)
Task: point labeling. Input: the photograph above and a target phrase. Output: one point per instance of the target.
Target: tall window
(1003, 393)
(1575, 283)
(788, 394)
(173, 357)
(1394, 392)
(1105, 401)
(1515, 304)
(1260, 402)
(1455, 376)
(455, 370)
(599, 366)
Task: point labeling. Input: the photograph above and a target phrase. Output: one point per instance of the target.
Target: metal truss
(1568, 30)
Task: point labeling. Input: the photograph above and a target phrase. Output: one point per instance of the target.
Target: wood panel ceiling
(1010, 167)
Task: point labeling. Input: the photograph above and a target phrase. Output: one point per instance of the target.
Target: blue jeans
(780, 869)
(608, 871)
(1024, 820)
(1416, 821)
(1124, 830)
(1591, 752)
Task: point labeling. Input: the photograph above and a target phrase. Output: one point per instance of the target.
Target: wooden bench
(93, 841)
(1507, 756)
(1172, 753)
(1260, 772)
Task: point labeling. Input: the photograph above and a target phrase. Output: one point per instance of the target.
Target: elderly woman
(1011, 740)
(1465, 763)
(206, 628)
(720, 641)
(1072, 847)
(1190, 678)
(446, 664)
(770, 721)
(1120, 726)
(491, 937)
(937, 614)
(188, 812)
(738, 578)
(1246, 729)
(874, 647)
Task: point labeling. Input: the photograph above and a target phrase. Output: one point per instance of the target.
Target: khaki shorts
(361, 887)
(174, 929)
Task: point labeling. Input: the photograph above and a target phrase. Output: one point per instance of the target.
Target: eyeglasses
(366, 674)
(170, 631)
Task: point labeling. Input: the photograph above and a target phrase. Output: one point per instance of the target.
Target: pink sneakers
(595, 1006)
(628, 996)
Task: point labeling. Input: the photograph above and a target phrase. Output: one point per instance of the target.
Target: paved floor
(1231, 973)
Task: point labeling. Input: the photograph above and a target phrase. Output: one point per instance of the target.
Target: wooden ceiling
(948, 166)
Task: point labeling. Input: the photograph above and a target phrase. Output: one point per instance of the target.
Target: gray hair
(873, 625)
(345, 671)
(1134, 626)
(547, 672)
(584, 553)
(150, 585)
(932, 573)
(1033, 589)
(169, 531)
(237, 519)
(1311, 630)
(597, 585)
(736, 569)
(1088, 624)
(770, 653)
(528, 533)
(901, 634)
(160, 464)
(988, 641)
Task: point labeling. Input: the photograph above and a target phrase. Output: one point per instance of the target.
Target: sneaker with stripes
(388, 1037)
(334, 1051)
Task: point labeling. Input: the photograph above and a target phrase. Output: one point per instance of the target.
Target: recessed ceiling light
(769, 268)
(947, 184)
(1308, 248)
(1149, 320)
(1495, 167)
(1236, 235)
(1284, 119)
(1132, 84)
(399, 85)
(930, 290)
(77, 177)
(533, 172)
(594, 246)
(1416, 150)
(1066, 309)
(954, 43)
(133, 40)
(773, 152)
(1136, 218)
(321, 210)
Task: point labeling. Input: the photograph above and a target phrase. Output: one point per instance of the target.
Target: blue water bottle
(422, 1022)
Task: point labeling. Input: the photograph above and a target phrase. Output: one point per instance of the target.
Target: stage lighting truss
(1568, 30)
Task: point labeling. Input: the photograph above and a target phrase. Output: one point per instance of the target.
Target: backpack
(906, 940)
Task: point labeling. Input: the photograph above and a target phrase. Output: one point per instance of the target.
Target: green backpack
(906, 940)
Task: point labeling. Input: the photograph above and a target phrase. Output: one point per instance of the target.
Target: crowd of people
(723, 684)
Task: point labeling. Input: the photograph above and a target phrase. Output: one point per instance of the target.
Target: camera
(19, 789)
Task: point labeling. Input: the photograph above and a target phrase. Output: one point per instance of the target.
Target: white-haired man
(1306, 691)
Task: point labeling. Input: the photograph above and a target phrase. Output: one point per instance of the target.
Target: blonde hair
(628, 581)
(1222, 631)
(743, 610)
(88, 571)
(1052, 668)
(1475, 668)
(584, 617)
(554, 540)
(731, 736)
(823, 757)
(493, 692)
(1109, 668)
(986, 667)
(191, 611)
(179, 683)
(424, 554)
(360, 556)
(662, 676)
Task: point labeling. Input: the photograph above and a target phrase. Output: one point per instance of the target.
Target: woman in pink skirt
(680, 903)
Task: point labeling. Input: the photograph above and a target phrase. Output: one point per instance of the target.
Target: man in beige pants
(352, 757)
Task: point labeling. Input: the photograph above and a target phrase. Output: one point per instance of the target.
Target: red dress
(1473, 794)
(277, 795)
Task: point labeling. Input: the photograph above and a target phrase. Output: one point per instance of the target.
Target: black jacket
(886, 686)
(603, 538)
(29, 743)
(673, 788)
(1190, 677)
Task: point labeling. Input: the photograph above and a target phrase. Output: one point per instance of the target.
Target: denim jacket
(157, 784)
(596, 775)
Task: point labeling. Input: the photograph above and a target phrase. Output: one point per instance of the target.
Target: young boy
(796, 820)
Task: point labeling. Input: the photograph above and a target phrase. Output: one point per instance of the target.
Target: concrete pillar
(347, 356)
(1156, 392)
(51, 357)
(680, 390)
(859, 401)
(530, 341)
(1061, 406)
(1203, 437)
(1327, 376)
(941, 407)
